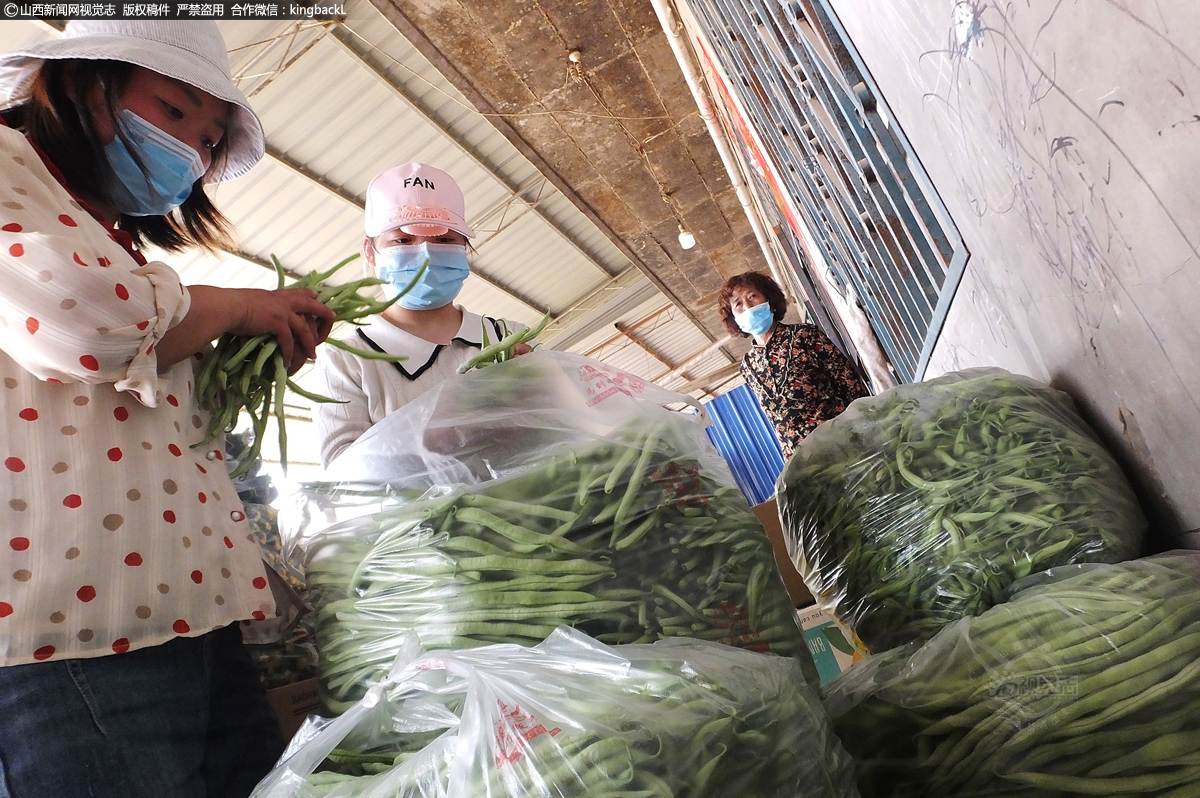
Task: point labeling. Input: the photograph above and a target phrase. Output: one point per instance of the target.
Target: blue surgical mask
(756, 320)
(440, 283)
(172, 168)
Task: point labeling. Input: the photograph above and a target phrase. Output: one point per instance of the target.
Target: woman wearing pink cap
(126, 557)
(414, 215)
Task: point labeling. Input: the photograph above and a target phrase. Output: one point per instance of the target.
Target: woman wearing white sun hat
(125, 552)
(414, 214)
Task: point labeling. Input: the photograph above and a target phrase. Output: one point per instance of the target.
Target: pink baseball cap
(417, 198)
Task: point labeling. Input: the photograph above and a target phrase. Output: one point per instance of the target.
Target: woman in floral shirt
(798, 375)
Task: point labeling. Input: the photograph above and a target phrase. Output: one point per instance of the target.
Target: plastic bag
(287, 661)
(1086, 683)
(573, 717)
(507, 418)
(922, 505)
(614, 516)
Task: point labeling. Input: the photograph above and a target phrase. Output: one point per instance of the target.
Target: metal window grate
(849, 171)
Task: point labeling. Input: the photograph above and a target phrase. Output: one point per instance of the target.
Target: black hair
(56, 119)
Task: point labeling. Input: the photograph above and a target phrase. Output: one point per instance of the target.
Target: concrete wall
(1064, 137)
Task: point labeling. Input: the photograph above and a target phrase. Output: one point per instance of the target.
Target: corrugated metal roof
(657, 326)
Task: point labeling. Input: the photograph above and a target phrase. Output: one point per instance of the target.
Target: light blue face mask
(440, 283)
(172, 168)
(756, 320)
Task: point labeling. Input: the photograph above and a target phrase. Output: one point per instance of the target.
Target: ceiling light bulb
(686, 239)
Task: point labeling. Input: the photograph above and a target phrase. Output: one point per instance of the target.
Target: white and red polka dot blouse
(117, 534)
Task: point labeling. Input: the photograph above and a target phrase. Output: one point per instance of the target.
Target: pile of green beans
(1088, 685)
(502, 350)
(696, 720)
(922, 505)
(248, 374)
(626, 539)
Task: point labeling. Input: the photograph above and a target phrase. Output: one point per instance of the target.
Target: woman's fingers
(304, 334)
(324, 328)
(297, 319)
(309, 325)
(287, 344)
(307, 304)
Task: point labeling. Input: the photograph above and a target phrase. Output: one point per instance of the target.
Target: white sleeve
(339, 376)
(75, 306)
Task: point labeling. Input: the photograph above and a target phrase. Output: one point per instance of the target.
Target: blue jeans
(186, 719)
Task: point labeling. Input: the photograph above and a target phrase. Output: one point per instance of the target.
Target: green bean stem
(247, 373)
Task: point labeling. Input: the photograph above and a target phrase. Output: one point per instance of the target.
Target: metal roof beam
(257, 261)
(679, 370)
(712, 382)
(352, 44)
(289, 57)
(629, 289)
(625, 331)
(481, 222)
(286, 161)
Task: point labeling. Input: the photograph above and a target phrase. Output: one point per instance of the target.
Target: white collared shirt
(373, 389)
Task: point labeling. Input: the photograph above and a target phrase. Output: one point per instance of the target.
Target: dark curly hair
(761, 283)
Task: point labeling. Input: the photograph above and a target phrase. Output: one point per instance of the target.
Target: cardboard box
(293, 703)
(832, 649)
(768, 515)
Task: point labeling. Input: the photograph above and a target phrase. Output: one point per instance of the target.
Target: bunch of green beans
(626, 539)
(692, 720)
(922, 505)
(248, 374)
(502, 350)
(1088, 685)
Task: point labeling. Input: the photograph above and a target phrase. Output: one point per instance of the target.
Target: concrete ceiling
(620, 135)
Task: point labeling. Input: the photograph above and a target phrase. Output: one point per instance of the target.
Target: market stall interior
(803, 140)
(978, 580)
(343, 99)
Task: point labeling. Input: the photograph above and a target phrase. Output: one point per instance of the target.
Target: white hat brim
(246, 142)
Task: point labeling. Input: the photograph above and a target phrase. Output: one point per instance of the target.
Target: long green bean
(503, 349)
(248, 372)
(651, 567)
(690, 720)
(922, 505)
(1087, 684)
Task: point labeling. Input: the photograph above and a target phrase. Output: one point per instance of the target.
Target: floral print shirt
(117, 534)
(801, 379)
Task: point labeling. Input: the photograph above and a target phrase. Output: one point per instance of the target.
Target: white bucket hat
(417, 198)
(192, 52)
